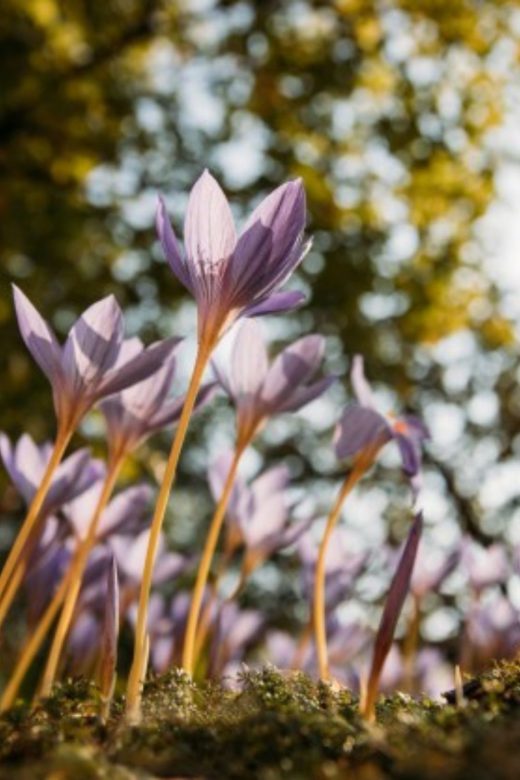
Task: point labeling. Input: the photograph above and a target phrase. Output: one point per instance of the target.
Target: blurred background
(403, 120)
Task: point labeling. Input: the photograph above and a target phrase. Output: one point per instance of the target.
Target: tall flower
(81, 372)
(232, 276)
(359, 436)
(229, 277)
(86, 369)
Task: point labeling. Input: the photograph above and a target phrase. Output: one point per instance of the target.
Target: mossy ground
(276, 726)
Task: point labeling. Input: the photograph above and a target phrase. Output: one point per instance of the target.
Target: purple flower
(26, 463)
(232, 276)
(125, 514)
(362, 428)
(234, 630)
(137, 412)
(484, 566)
(130, 553)
(430, 571)
(492, 631)
(260, 390)
(86, 368)
(259, 513)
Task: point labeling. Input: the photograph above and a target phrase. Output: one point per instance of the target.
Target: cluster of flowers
(88, 559)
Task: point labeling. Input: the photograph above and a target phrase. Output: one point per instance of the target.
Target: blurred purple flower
(130, 553)
(137, 412)
(259, 513)
(362, 427)
(235, 629)
(484, 566)
(342, 567)
(26, 463)
(260, 390)
(430, 570)
(125, 514)
(231, 277)
(492, 631)
(86, 368)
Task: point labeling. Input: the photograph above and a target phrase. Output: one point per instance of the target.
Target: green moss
(275, 726)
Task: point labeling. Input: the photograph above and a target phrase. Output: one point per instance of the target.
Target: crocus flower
(431, 570)
(260, 390)
(26, 463)
(484, 566)
(235, 629)
(125, 514)
(259, 513)
(362, 427)
(146, 407)
(86, 368)
(130, 553)
(232, 276)
(492, 631)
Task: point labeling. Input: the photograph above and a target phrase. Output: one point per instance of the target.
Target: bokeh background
(403, 120)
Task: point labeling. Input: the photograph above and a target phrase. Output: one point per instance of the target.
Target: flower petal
(358, 428)
(268, 238)
(138, 368)
(24, 464)
(291, 369)
(126, 512)
(362, 389)
(209, 235)
(170, 246)
(171, 411)
(301, 396)
(93, 345)
(73, 476)
(410, 453)
(38, 336)
(277, 302)
(249, 363)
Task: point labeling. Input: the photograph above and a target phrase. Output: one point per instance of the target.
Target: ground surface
(277, 726)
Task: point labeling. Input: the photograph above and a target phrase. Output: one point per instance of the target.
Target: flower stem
(137, 671)
(60, 445)
(76, 576)
(320, 634)
(205, 563)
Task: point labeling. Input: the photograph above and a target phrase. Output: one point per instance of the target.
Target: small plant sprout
(229, 277)
(259, 391)
(81, 373)
(397, 593)
(359, 436)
